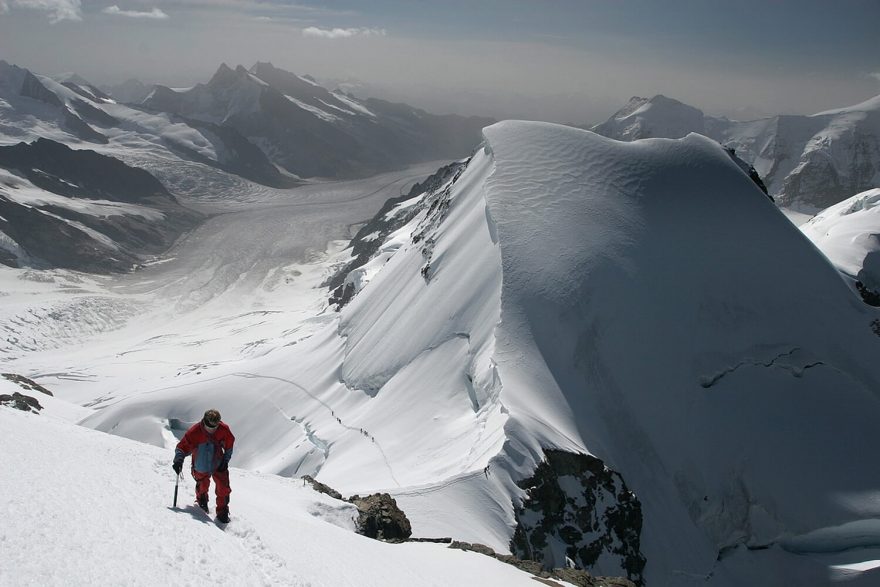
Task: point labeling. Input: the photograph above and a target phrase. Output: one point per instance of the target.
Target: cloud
(338, 33)
(875, 75)
(58, 10)
(155, 13)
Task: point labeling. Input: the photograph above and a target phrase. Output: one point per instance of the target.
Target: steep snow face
(807, 162)
(636, 320)
(849, 235)
(600, 295)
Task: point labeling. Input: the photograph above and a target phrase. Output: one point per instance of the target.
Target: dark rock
(33, 88)
(574, 576)
(445, 540)
(25, 383)
(321, 488)
(92, 114)
(363, 249)
(89, 92)
(380, 518)
(59, 236)
(86, 174)
(577, 508)
(21, 402)
(870, 297)
(80, 128)
(749, 170)
(584, 579)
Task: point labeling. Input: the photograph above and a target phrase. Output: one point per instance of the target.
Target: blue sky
(563, 60)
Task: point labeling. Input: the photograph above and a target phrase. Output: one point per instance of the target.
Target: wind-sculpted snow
(627, 286)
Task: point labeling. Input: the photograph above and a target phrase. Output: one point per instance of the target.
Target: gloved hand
(223, 466)
(177, 466)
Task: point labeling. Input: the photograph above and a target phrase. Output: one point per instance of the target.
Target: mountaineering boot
(223, 515)
(202, 500)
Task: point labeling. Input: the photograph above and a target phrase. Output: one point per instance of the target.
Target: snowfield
(85, 508)
(849, 235)
(641, 302)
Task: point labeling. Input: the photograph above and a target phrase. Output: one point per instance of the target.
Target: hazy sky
(561, 60)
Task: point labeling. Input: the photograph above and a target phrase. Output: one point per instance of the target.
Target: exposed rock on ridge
(578, 509)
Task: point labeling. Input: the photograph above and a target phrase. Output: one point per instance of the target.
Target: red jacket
(208, 449)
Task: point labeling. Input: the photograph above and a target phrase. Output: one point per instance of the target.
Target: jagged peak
(224, 75)
(72, 78)
(262, 66)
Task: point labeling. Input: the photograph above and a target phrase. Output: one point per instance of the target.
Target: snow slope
(849, 235)
(574, 292)
(807, 162)
(85, 508)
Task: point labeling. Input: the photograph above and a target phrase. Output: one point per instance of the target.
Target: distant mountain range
(77, 209)
(807, 162)
(310, 131)
(265, 125)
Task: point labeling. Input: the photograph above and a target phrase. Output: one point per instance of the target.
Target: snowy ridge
(616, 210)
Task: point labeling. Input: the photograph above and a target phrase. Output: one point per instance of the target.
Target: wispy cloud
(155, 13)
(875, 75)
(57, 10)
(337, 33)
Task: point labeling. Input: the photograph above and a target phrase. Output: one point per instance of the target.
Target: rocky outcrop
(25, 383)
(321, 488)
(569, 575)
(748, 170)
(380, 518)
(21, 402)
(369, 238)
(577, 509)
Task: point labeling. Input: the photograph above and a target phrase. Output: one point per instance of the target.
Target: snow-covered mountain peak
(223, 76)
(658, 116)
(71, 77)
(869, 105)
(807, 162)
(597, 296)
(11, 77)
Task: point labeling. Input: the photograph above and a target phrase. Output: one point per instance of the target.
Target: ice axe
(176, 483)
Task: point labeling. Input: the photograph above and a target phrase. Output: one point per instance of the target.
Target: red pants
(221, 486)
